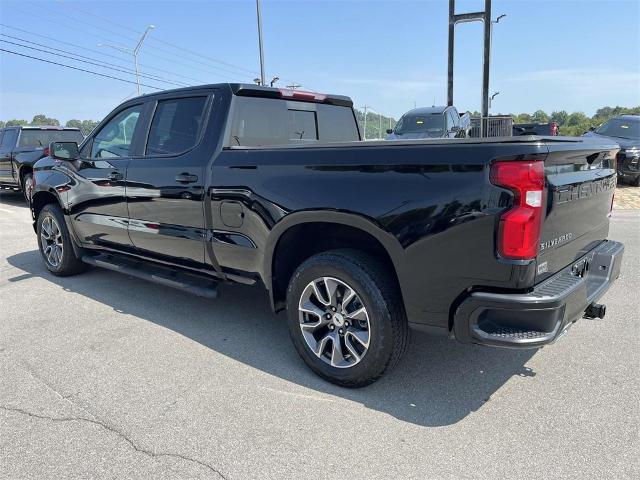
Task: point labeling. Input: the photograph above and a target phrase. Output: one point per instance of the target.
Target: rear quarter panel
(433, 202)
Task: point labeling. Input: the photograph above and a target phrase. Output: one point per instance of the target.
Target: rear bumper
(529, 320)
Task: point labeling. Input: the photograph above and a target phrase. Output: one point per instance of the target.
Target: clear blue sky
(550, 55)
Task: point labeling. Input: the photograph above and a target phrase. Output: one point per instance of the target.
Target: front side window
(114, 139)
(9, 139)
(176, 125)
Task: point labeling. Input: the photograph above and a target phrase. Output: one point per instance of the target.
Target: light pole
(495, 94)
(132, 51)
(259, 12)
(273, 80)
(364, 136)
(380, 125)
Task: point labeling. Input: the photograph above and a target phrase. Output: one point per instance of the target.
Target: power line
(101, 53)
(110, 66)
(164, 42)
(155, 39)
(77, 68)
(202, 67)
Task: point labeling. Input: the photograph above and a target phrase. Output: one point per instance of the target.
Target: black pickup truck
(22, 146)
(497, 242)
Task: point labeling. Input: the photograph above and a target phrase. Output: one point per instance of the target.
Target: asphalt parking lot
(105, 376)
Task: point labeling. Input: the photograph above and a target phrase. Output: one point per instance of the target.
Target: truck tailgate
(580, 181)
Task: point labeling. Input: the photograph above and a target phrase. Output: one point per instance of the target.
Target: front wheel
(55, 244)
(346, 317)
(27, 187)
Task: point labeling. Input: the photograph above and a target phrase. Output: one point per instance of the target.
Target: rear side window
(42, 138)
(176, 125)
(267, 121)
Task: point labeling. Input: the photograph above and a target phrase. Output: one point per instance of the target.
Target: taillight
(46, 151)
(519, 229)
(554, 128)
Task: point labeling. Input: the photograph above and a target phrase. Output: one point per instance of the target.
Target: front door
(98, 205)
(7, 142)
(165, 186)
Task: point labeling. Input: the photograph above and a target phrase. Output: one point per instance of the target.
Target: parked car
(499, 243)
(431, 122)
(21, 147)
(548, 128)
(625, 131)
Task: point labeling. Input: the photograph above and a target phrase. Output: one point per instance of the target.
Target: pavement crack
(117, 432)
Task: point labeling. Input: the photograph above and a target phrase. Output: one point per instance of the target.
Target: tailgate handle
(186, 178)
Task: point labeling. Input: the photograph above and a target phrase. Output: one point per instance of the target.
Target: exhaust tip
(595, 310)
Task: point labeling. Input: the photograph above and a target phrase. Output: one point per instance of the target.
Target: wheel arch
(347, 231)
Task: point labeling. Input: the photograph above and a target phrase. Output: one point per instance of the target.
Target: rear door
(165, 185)
(581, 182)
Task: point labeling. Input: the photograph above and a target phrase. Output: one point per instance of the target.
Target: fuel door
(231, 213)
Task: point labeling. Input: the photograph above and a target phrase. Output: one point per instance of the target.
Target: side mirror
(64, 150)
(592, 129)
(389, 131)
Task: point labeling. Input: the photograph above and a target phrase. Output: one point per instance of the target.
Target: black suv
(625, 131)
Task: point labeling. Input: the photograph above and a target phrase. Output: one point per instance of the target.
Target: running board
(187, 282)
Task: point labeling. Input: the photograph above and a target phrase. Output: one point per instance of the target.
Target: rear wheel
(55, 244)
(345, 317)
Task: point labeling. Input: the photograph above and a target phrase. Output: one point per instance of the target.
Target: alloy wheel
(51, 241)
(334, 322)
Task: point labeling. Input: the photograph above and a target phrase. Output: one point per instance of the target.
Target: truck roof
(435, 110)
(252, 90)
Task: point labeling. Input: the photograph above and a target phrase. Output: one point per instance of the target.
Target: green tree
(44, 120)
(540, 116)
(560, 117)
(16, 123)
(1, 123)
(85, 126)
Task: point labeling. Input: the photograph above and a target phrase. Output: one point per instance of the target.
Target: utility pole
(365, 107)
(380, 126)
(132, 51)
(259, 12)
(293, 86)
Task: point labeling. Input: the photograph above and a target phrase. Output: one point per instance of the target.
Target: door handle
(115, 176)
(186, 178)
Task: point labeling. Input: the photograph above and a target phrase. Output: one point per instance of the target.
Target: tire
(27, 187)
(383, 323)
(636, 182)
(53, 236)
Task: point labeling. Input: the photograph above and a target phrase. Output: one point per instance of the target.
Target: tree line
(85, 126)
(572, 124)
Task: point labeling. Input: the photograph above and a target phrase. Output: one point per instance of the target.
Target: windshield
(618, 127)
(428, 124)
(42, 138)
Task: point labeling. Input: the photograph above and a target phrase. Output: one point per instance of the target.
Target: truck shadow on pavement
(439, 381)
